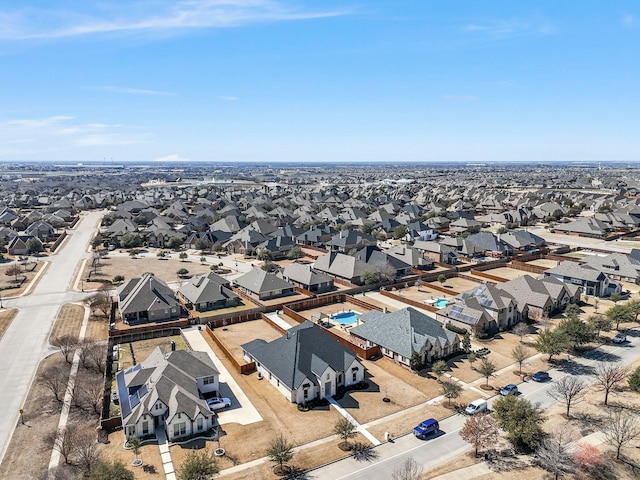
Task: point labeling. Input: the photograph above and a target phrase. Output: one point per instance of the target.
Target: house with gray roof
(304, 276)
(405, 334)
(541, 297)
(147, 299)
(207, 292)
(264, 285)
(305, 364)
(340, 265)
(618, 266)
(168, 391)
(592, 280)
(584, 227)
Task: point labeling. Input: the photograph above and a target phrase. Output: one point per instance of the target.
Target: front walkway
(275, 318)
(165, 454)
(360, 428)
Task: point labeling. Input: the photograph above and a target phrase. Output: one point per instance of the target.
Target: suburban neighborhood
(353, 316)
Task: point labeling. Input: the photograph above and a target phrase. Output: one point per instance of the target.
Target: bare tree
(86, 449)
(54, 379)
(521, 329)
(487, 368)
(13, 271)
(409, 470)
(101, 301)
(97, 352)
(608, 375)
(83, 352)
(67, 345)
(520, 354)
(621, 428)
(553, 453)
(569, 390)
(63, 440)
(90, 393)
(480, 431)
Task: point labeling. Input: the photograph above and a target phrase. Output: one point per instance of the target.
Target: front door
(327, 389)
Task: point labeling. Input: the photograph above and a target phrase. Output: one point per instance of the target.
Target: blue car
(511, 389)
(426, 428)
(540, 377)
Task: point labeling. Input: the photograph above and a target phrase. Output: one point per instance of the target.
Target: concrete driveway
(242, 410)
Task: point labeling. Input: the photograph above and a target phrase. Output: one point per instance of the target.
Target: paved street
(435, 451)
(25, 342)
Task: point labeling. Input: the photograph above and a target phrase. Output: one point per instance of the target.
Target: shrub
(454, 329)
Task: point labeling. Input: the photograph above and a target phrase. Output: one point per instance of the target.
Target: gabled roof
(575, 270)
(303, 273)
(405, 331)
(258, 281)
(305, 352)
(207, 288)
(340, 265)
(170, 378)
(145, 294)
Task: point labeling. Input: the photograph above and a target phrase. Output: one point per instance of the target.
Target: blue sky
(294, 80)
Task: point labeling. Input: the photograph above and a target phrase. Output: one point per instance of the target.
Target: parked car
(217, 403)
(620, 338)
(511, 389)
(540, 377)
(426, 428)
(477, 406)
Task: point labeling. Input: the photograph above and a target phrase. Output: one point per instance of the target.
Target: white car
(620, 338)
(217, 403)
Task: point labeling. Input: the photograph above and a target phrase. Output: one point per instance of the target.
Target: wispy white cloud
(511, 28)
(135, 17)
(227, 98)
(171, 158)
(630, 21)
(61, 131)
(132, 91)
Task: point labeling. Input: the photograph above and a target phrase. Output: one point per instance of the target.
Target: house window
(199, 423)
(306, 393)
(145, 427)
(132, 431)
(355, 375)
(179, 429)
(278, 382)
(339, 378)
(208, 380)
(179, 415)
(328, 376)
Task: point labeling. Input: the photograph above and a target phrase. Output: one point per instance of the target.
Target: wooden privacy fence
(240, 367)
(408, 301)
(488, 276)
(525, 267)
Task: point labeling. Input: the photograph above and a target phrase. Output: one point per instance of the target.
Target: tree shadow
(574, 368)
(596, 354)
(363, 452)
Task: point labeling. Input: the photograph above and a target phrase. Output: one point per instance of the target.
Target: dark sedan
(540, 377)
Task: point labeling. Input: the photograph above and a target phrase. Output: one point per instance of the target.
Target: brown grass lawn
(6, 317)
(149, 453)
(233, 336)
(143, 348)
(42, 412)
(117, 264)
(7, 283)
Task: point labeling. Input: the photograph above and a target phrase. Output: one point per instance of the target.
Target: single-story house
(207, 292)
(305, 364)
(303, 276)
(264, 285)
(147, 299)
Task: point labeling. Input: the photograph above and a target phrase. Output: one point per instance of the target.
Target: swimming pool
(347, 318)
(441, 302)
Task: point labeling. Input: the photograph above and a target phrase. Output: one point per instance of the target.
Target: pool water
(347, 318)
(441, 302)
